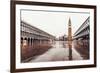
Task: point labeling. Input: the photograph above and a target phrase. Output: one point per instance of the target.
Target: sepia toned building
(81, 39)
(34, 41)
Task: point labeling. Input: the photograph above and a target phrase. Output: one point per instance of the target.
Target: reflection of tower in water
(70, 39)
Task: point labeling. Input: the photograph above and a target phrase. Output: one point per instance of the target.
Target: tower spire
(69, 22)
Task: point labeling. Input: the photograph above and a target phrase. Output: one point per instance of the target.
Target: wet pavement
(59, 52)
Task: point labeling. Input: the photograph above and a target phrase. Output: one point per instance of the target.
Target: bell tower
(69, 31)
(70, 39)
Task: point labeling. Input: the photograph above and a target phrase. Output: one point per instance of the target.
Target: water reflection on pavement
(59, 52)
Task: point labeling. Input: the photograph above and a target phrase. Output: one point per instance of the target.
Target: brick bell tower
(70, 39)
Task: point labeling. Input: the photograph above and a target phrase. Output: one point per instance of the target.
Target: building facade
(34, 41)
(81, 39)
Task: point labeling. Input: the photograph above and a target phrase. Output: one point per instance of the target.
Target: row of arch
(31, 41)
(82, 45)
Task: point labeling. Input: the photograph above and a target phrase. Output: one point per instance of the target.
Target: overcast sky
(55, 23)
